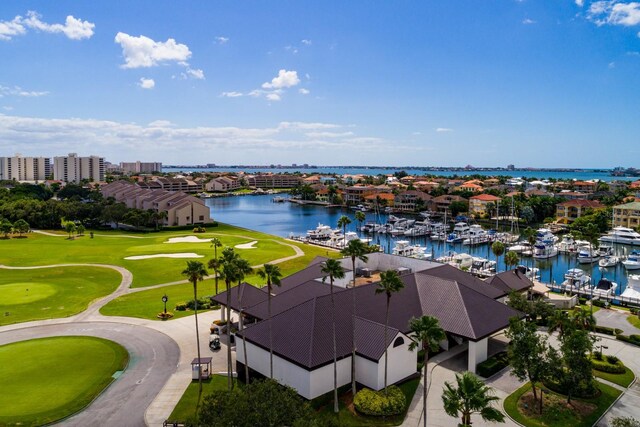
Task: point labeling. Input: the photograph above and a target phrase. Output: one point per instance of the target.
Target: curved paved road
(153, 359)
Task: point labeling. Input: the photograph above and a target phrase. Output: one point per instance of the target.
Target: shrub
(199, 230)
(602, 366)
(632, 339)
(605, 330)
(597, 355)
(203, 304)
(369, 402)
(586, 390)
(493, 364)
(181, 306)
(164, 316)
(582, 301)
(599, 303)
(612, 359)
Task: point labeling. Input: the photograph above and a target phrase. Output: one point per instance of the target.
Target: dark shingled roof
(249, 294)
(512, 280)
(311, 272)
(449, 272)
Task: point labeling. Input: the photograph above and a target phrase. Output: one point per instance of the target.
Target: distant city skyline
(523, 82)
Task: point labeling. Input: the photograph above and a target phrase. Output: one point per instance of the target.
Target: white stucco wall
(322, 378)
(402, 362)
(477, 353)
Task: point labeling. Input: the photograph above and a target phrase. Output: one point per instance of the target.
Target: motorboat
(542, 250)
(406, 249)
(532, 273)
(477, 236)
(454, 238)
(483, 267)
(321, 232)
(576, 279)
(588, 255)
(462, 261)
(605, 250)
(609, 261)
(604, 288)
(519, 247)
(462, 229)
(567, 244)
(633, 261)
(632, 291)
(418, 230)
(622, 235)
(545, 235)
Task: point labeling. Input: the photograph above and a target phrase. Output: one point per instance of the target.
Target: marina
(258, 212)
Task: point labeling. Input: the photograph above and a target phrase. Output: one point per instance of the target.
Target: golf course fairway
(47, 379)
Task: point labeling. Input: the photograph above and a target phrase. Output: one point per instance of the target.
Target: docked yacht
(632, 291)
(576, 279)
(588, 255)
(406, 249)
(622, 235)
(542, 250)
(321, 232)
(606, 250)
(462, 261)
(633, 261)
(608, 261)
(519, 247)
(604, 288)
(532, 273)
(483, 267)
(567, 244)
(417, 230)
(477, 236)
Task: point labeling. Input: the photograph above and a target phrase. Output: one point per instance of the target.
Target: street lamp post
(165, 298)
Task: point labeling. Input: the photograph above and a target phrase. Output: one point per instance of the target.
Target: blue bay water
(286, 219)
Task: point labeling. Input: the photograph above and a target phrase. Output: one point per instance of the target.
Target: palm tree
(195, 272)
(498, 249)
(530, 234)
(426, 333)
(343, 221)
(583, 319)
(243, 268)
(229, 273)
(511, 259)
(271, 273)
(332, 269)
(214, 264)
(354, 249)
(558, 321)
(389, 284)
(360, 217)
(470, 397)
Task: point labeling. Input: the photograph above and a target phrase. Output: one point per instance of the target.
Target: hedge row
(493, 364)
(631, 339)
(602, 366)
(376, 403)
(607, 330)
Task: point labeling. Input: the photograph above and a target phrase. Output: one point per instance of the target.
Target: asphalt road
(153, 359)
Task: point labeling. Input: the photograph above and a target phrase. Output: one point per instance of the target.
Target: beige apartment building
(25, 169)
(627, 215)
(74, 169)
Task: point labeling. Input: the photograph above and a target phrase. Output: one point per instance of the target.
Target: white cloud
(307, 125)
(144, 52)
(328, 134)
(195, 73)
(528, 21)
(18, 91)
(291, 49)
(441, 130)
(161, 124)
(284, 79)
(303, 91)
(147, 83)
(580, 3)
(231, 94)
(273, 96)
(613, 12)
(306, 42)
(612, 65)
(222, 40)
(73, 28)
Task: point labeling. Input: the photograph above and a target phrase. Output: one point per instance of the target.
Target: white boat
(483, 267)
(604, 288)
(543, 250)
(321, 232)
(609, 261)
(588, 255)
(606, 250)
(406, 249)
(531, 273)
(545, 235)
(519, 247)
(454, 238)
(632, 262)
(477, 236)
(462, 229)
(567, 244)
(418, 230)
(462, 261)
(622, 235)
(632, 291)
(576, 279)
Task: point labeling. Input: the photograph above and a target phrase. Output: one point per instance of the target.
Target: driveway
(616, 319)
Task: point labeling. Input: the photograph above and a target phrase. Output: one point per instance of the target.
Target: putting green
(44, 380)
(25, 292)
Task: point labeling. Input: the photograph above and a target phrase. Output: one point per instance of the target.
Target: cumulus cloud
(306, 42)
(528, 21)
(142, 52)
(221, 39)
(194, 73)
(580, 3)
(73, 28)
(273, 96)
(231, 94)
(284, 79)
(147, 83)
(303, 91)
(613, 12)
(18, 91)
(442, 130)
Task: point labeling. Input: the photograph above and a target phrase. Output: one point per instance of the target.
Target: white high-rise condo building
(18, 168)
(72, 168)
(140, 167)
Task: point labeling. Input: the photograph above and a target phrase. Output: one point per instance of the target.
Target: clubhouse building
(469, 310)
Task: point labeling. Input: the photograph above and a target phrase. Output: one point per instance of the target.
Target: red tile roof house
(478, 204)
(466, 307)
(574, 209)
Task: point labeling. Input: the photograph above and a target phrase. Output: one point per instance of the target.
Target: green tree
(332, 269)
(21, 227)
(214, 263)
(70, 227)
(271, 273)
(343, 221)
(229, 273)
(6, 227)
(575, 346)
(511, 259)
(470, 396)
(498, 249)
(243, 268)
(195, 272)
(389, 284)
(80, 230)
(458, 207)
(558, 321)
(355, 249)
(426, 334)
(527, 214)
(360, 218)
(583, 319)
(527, 353)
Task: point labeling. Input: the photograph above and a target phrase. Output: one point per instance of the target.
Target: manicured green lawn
(623, 380)
(52, 292)
(112, 247)
(634, 320)
(186, 407)
(44, 380)
(148, 303)
(555, 413)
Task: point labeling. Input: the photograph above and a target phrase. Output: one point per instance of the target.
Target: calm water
(286, 219)
(584, 174)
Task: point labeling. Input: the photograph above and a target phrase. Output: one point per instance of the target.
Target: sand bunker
(249, 245)
(188, 239)
(182, 255)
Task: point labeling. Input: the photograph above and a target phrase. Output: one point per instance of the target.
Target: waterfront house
(273, 181)
(585, 186)
(355, 195)
(573, 195)
(302, 317)
(571, 210)
(412, 200)
(443, 202)
(478, 204)
(426, 186)
(627, 215)
(223, 184)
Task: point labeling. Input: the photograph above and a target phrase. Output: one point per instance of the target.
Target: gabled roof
(512, 280)
(246, 294)
(449, 272)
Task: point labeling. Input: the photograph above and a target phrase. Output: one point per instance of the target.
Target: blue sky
(552, 83)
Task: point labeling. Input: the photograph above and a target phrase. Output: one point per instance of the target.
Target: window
(398, 342)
